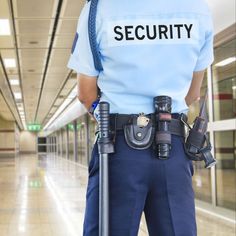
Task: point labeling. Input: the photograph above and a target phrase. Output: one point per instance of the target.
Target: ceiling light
(10, 63)
(20, 108)
(14, 82)
(234, 87)
(226, 62)
(18, 95)
(5, 27)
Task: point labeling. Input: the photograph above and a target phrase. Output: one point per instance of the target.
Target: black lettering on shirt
(178, 26)
(188, 29)
(116, 28)
(171, 32)
(128, 32)
(154, 35)
(163, 29)
(137, 35)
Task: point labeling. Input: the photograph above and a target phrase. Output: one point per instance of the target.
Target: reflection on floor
(45, 197)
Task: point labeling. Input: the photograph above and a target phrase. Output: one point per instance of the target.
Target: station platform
(45, 196)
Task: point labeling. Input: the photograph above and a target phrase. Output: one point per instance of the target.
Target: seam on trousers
(133, 213)
(172, 222)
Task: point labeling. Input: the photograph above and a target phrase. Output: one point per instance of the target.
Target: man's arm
(87, 89)
(194, 89)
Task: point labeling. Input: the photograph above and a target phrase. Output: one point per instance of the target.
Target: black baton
(105, 146)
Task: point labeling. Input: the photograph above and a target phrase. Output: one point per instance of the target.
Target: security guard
(146, 49)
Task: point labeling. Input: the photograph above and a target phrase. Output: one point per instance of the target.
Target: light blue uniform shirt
(148, 48)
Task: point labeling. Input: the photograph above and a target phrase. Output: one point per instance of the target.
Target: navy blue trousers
(140, 182)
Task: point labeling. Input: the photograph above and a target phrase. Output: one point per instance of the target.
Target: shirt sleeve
(81, 59)
(206, 55)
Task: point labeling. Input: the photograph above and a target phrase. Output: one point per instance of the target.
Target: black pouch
(137, 137)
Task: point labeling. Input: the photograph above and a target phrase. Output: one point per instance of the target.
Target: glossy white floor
(46, 197)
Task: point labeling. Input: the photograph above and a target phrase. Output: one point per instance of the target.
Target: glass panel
(71, 151)
(92, 130)
(225, 152)
(55, 144)
(71, 141)
(82, 158)
(202, 181)
(64, 142)
(41, 140)
(202, 176)
(59, 143)
(224, 81)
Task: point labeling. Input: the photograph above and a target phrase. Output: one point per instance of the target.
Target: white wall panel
(27, 141)
(223, 13)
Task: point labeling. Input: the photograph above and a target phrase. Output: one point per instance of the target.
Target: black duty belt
(118, 121)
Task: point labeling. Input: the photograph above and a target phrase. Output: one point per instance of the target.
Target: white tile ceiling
(67, 27)
(72, 8)
(64, 41)
(6, 42)
(4, 10)
(34, 21)
(34, 8)
(33, 41)
(33, 26)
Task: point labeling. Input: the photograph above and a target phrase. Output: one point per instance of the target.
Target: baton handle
(105, 144)
(104, 120)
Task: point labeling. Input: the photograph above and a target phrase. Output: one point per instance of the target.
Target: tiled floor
(45, 197)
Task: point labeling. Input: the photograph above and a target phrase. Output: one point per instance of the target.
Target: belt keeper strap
(177, 128)
(163, 137)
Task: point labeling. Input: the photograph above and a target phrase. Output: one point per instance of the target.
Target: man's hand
(194, 89)
(87, 89)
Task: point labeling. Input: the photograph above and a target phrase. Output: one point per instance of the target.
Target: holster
(139, 137)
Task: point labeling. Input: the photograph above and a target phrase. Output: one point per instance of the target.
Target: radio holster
(197, 145)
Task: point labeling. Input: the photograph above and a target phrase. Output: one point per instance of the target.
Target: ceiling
(42, 32)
